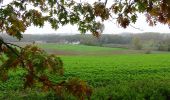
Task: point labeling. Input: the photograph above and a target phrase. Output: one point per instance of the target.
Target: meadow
(71, 47)
(137, 76)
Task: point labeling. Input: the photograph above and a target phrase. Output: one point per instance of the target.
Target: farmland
(128, 76)
(69, 47)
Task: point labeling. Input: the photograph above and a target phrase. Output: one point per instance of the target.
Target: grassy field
(115, 77)
(69, 47)
(72, 50)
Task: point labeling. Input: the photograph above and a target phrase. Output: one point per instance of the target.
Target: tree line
(149, 41)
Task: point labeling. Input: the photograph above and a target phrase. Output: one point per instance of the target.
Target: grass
(115, 77)
(69, 47)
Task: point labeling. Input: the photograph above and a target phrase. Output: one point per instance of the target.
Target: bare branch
(136, 28)
(106, 2)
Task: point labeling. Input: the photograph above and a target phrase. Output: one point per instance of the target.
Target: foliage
(136, 42)
(38, 64)
(16, 17)
(164, 45)
(155, 10)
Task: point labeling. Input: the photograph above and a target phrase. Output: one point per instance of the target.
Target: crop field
(112, 76)
(123, 76)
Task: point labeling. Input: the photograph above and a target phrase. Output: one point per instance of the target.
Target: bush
(148, 52)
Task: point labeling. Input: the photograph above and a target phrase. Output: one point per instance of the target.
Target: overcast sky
(110, 26)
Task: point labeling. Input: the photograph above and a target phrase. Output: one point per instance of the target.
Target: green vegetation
(70, 47)
(129, 77)
(118, 67)
(117, 77)
(127, 80)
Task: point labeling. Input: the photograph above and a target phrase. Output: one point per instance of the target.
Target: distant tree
(164, 45)
(137, 43)
(18, 15)
(167, 43)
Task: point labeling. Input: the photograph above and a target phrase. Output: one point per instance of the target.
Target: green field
(122, 76)
(115, 77)
(69, 47)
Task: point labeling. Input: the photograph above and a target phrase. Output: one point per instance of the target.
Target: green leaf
(62, 2)
(133, 18)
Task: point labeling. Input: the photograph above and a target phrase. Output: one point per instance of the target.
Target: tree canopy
(18, 15)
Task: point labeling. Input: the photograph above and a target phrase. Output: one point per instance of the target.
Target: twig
(14, 45)
(9, 47)
(136, 28)
(61, 6)
(106, 2)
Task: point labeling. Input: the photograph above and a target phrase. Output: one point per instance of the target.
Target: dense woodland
(146, 41)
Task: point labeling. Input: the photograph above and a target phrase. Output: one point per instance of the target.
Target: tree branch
(14, 45)
(105, 2)
(61, 6)
(136, 27)
(6, 44)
